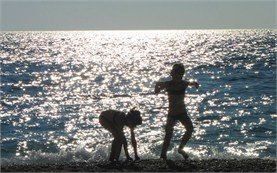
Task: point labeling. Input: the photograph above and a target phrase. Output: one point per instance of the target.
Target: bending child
(114, 121)
(177, 109)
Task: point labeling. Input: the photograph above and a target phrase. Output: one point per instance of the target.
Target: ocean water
(54, 85)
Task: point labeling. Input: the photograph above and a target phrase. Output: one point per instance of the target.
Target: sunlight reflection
(72, 76)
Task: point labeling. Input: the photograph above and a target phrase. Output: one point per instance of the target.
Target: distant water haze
(55, 84)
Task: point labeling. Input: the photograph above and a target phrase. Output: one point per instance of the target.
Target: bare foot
(163, 158)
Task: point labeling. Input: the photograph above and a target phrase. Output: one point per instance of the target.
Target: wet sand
(153, 165)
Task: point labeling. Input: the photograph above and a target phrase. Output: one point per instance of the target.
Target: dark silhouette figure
(114, 121)
(177, 110)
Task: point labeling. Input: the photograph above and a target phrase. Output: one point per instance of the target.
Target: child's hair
(134, 116)
(178, 69)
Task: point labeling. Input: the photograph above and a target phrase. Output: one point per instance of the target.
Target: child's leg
(168, 135)
(115, 144)
(113, 150)
(186, 121)
(118, 144)
(116, 149)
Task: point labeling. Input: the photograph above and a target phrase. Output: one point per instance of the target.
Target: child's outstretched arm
(134, 144)
(195, 84)
(159, 86)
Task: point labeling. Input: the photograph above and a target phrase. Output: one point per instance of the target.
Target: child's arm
(134, 143)
(159, 86)
(196, 85)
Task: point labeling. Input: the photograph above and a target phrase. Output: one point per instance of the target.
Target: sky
(32, 15)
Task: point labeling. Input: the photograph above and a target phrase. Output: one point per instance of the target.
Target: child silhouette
(175, 89)
(114, 121)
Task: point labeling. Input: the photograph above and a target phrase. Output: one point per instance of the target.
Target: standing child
(177, 109)
(114, 121)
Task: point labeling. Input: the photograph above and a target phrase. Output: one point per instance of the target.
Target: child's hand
(196, 85)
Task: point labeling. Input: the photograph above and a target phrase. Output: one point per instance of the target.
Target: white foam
(40, 158)
(101, 152)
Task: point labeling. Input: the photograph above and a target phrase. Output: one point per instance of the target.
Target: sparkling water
(54, 85)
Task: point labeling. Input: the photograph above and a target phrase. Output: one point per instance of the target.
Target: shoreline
(153, 165)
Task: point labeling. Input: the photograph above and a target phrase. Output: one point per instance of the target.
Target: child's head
(134, 117)
(177, 70)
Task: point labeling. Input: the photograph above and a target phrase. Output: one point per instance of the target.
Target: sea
(55, 84)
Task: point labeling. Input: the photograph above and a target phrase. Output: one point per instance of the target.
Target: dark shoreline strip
(153, 165)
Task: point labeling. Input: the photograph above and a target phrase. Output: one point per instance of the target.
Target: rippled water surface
(55, 84)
